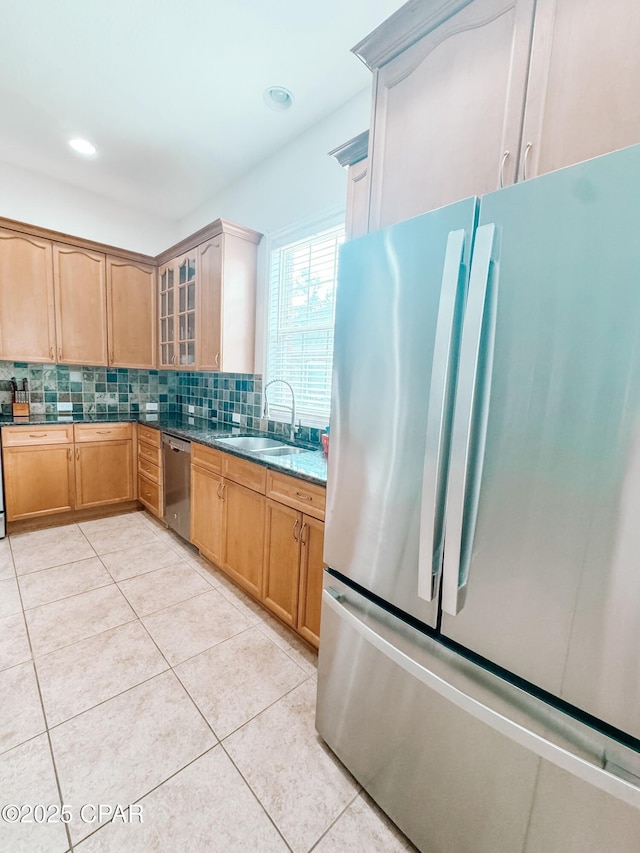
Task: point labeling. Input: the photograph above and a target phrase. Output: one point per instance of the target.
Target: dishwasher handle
(179, 445)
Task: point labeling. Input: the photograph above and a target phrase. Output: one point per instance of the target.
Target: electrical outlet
(191, 420)
(192, 410)
(235, 417)
(151, 407)
(65, 407)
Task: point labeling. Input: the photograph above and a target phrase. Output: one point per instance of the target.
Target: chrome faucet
(294, 429)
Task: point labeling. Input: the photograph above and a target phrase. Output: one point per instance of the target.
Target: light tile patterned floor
(133, 673)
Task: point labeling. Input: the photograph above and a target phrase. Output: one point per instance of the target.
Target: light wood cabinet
(207, 300)
(27, 324)
(80, 305)
(104, 467)
(311, 573)
(150, 470)
(471, 96)
(131, 313)
(583, 83)
(207, 513)
(243, 526)
(354, 157)
(270, 545)
(282, 561)
(60, 468)
(38, 471)
(448, 109)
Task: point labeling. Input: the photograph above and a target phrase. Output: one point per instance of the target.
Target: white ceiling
(170, 91)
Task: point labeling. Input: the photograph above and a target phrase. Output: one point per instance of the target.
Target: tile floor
(133, 674)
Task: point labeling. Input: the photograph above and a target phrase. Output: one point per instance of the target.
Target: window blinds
(301, 319)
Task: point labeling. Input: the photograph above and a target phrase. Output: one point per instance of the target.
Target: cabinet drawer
(151, 454)
(150, 435)
(151, 472)
(244, 472)
(150, 494)
(296, 493)
(102, 432)
(206, 457)
(22, 435)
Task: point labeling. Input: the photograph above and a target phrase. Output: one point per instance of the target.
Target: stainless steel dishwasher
(176, 456)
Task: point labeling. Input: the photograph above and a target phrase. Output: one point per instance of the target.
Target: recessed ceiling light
(278, 98)
(82, 146)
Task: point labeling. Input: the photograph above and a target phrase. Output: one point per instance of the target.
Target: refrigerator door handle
(590, 771)
(470, 420)
(439, 420)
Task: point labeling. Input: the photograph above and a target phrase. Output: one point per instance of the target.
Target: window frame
(277, 240)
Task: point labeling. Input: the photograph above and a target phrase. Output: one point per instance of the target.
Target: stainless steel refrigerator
(479, 668)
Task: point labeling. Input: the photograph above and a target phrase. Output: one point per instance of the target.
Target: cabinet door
(104, 473)
(448, 111)
(209, 319)
(357, 214)
(243, 536)
(282, 561)
(131, 314)
(185, 267)
(311, 569)
(583, 83)
(27, 319)
(81, 305)
(206, 513)
(38, 480)
(167, 310)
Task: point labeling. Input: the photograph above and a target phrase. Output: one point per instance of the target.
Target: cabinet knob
(295, 529)
(78, 453)
(52, 353)
(302, 539)
(69, 454)
(304, 497)
(60, 352)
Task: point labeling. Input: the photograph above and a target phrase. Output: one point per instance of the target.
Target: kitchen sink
(251, 442)
(282, 450)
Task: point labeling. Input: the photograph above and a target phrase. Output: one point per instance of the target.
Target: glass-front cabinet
(187, 310)
(167, 325)
(207, 301)
(178, 312)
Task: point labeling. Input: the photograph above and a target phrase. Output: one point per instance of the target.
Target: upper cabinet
(131, 311)
(471, 96)
(583, 83)
(193, 307)
(27, 325)
(448, 108)
(81, 305)
(353, 156)
(207, 301)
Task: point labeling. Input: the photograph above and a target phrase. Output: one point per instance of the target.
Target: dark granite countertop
(310, 466)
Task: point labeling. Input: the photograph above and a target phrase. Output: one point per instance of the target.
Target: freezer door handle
(590, 771)
(439, 419)
(470, 420)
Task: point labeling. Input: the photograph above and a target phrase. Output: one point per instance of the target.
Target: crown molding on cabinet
(353, 151)
(219, 226)
(405, 27)
(78, 242)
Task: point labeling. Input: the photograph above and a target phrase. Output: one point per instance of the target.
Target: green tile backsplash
(100, 390)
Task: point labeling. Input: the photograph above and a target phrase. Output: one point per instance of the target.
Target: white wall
(296, 183)
(38, 200)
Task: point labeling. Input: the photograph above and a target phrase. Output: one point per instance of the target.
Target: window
(301, 310)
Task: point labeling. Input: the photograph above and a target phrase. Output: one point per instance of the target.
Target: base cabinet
(104, 473)
(207, 513)
(282, 561)
(150, 472)
(39, 480)
(311, 571)
(243, 526)
(54, 469)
